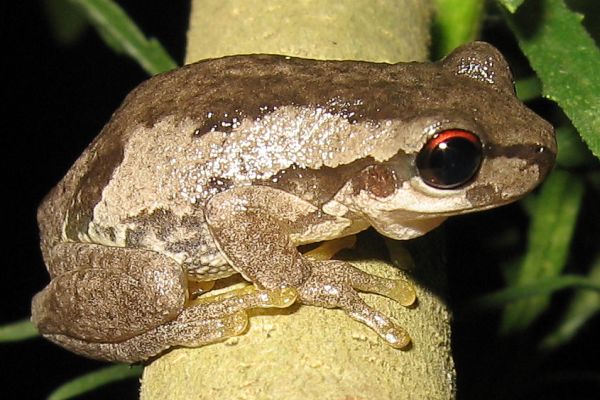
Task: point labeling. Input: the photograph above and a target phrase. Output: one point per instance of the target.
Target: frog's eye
(449, 159)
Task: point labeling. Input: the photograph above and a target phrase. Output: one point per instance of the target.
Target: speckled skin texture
(225, 166)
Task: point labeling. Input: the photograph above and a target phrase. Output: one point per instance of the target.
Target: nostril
(545, 151)
(544, 158)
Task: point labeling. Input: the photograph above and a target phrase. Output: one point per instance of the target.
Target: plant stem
(311, 352)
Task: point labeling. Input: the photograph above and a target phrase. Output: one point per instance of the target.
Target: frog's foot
(224, 315)
(333, 284)
(398, 290)
(249, 297)
(203, 321)
(206, 331)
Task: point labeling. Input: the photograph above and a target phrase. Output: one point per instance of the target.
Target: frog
(227, 166)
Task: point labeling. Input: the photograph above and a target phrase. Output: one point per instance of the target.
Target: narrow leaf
(122, 34)
(17, 331)
(573, 152)
(550, 233)
(456, 22)
(583, 306)
(543, 287)
(94, 380)
(67, 23)
(528, 88)
(566, 60)
(511, 5)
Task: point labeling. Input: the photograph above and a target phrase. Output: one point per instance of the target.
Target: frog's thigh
(202, 322)
(192, 332)
(108, 294)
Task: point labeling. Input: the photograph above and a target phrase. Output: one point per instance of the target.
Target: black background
(56, 99)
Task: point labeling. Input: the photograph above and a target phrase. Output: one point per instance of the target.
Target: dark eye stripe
(532, 153)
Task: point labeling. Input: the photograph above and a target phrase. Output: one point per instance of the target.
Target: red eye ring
(450, 159)
(443, 136)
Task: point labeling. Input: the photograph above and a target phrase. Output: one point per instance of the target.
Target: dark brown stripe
(534, 154)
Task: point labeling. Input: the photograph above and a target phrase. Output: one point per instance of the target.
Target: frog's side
(225, 166)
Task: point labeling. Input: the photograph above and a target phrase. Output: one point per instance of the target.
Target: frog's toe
(402, 292)
(233, 325)
(396, 289)
(278, 298)
(249, 297)
(388, 330)
(202, 332)
(396, 337)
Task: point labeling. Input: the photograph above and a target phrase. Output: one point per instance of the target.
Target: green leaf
(566, 60)
(591, 11)
(456, 22)
(122, 34)
(553, 222)
(67, 22)
(583, 306)
(512, 5)
(17, 331)
(94, 380)
(573, 153)
(543, 287)
(528, 88)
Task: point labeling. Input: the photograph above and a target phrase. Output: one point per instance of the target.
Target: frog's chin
(406, 229)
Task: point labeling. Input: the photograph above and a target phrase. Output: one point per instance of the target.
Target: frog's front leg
(124, 304)
(253, 227)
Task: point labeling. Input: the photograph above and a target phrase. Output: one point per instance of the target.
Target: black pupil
(451, 163)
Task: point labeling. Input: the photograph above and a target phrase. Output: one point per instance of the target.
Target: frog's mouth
(406, 229)
(402, 225)
(415, 209)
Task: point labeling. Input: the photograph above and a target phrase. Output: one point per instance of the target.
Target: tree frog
(227, 165)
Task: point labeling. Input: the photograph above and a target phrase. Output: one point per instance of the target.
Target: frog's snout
(544, 157)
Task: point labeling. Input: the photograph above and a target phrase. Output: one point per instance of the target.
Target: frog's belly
(188, 240)
(184, 239)
(209, 267)
(196, 250)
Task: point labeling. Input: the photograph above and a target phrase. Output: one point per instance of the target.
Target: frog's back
(182, 136)
(158, 159)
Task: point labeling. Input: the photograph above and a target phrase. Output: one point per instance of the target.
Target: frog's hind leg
(211, 319)
(107, 294)
(202, 322)
(224, 315)
(127, 304)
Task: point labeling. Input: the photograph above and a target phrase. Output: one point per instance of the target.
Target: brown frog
(226, 166)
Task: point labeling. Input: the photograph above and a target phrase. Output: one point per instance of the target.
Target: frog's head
(474, 146)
